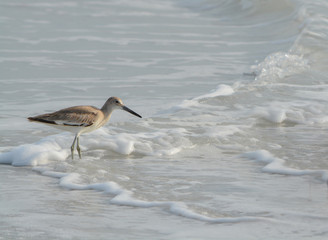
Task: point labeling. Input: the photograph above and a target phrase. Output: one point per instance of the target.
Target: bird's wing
(74, 116)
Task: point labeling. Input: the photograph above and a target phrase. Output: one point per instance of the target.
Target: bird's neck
(107, 111)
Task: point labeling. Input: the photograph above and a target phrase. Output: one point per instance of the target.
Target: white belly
(76, 129)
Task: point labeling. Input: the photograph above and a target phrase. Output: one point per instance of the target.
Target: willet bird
(82, 119)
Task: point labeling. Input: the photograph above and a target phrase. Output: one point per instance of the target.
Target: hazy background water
(234, 99)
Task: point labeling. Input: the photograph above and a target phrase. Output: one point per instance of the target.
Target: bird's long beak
(130, 111)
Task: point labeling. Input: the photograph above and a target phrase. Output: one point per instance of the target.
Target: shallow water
(233, 139)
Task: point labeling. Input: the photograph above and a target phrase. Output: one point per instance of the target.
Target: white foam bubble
(299, 113)
(122, 143)
(39, 153)
(222, 132)
(46, 171)
(179, 209)
(277, 165)
(221, 91)
(159, 142)
(279, 65)
(273, 113)
(57, 147)
(123, 197)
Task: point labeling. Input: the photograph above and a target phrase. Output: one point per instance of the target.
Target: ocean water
(233, 139)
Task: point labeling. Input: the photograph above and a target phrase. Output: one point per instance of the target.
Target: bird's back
(68, 118)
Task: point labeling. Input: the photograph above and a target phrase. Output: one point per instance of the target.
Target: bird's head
(116, 103)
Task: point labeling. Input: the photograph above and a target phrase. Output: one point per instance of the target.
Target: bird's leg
(78, 146)
(72, 147)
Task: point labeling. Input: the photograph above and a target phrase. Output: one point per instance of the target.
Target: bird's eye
(117, 101)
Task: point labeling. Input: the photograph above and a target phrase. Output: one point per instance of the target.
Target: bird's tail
(35, 119)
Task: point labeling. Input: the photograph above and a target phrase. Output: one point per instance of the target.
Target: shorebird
(82, 119)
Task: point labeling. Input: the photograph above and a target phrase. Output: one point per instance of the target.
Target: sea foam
(279, 65)
(221, 91)
(39, 153)
(298, 113)
(277, 165)
(164, 142)
(123, 197)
